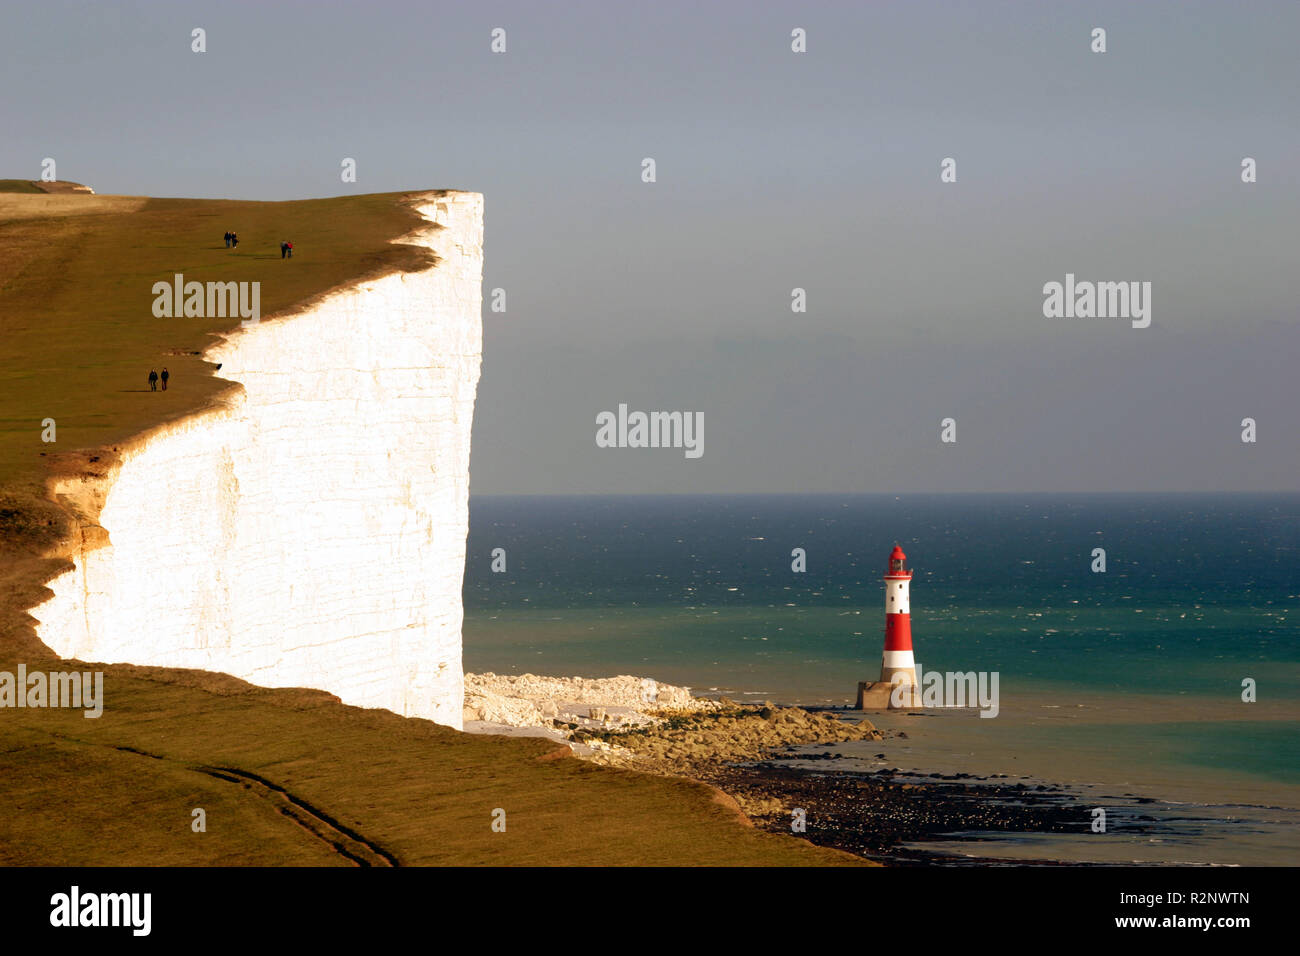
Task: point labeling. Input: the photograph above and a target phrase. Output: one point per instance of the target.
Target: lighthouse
(897, 665)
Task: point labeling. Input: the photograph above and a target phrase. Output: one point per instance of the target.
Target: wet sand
(947, 786)
(901, 818)
(893, 818)
(1180, 749)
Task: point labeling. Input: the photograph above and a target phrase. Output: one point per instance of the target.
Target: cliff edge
(309, 530)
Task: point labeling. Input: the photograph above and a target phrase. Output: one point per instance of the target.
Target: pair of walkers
(154, 378)
(286, 249)
(232, 240)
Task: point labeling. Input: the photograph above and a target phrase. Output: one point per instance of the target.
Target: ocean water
(1128, 680)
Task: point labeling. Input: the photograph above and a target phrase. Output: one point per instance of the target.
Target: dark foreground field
(294, 777)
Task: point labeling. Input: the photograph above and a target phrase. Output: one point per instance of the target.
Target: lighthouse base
(879, 695)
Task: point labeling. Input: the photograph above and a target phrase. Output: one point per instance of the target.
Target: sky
(774, 170)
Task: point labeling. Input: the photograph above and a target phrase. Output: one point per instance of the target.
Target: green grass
(77, 340)
(424, 793)
(77, 331)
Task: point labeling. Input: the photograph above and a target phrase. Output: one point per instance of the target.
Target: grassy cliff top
(77, 331)
(41, 186)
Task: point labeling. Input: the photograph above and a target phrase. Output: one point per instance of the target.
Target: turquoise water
(1199, 593)
(817, 654)
(1268, 750)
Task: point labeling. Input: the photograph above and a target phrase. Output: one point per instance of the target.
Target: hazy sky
(775, 170)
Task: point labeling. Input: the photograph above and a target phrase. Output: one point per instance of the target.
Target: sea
(1165, 688)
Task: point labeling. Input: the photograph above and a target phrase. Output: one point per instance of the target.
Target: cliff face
(310, 533)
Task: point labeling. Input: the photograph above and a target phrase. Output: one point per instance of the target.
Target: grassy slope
(77, 331)
(423, 793)
(77, 338)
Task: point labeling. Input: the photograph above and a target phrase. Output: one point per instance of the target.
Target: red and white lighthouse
(897, 667)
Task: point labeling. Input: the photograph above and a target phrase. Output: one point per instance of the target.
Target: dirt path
(341, 839)
(346, 842)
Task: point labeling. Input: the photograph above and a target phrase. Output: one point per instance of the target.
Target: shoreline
(748, 753)
(858, 796)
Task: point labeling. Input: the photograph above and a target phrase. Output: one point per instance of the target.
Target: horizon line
(828, 494)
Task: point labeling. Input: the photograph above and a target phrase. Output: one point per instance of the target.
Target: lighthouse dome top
(897, 566)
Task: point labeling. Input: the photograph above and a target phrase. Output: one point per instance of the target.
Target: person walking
(284, 248)
(290, 245)
(227, 238)
(153, 380)
(165, 375)
(234, 239)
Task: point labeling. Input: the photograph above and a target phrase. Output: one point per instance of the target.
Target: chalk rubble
(529, 700)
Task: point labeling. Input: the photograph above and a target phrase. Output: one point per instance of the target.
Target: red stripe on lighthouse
(898, 632)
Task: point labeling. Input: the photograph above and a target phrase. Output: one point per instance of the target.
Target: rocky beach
(773, 761)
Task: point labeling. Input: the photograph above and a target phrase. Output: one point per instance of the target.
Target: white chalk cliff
(311, 532)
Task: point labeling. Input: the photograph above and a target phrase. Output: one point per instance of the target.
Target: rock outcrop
(641, 723)
(527, 700)
(687, 742)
